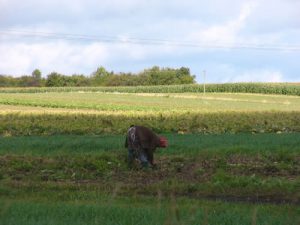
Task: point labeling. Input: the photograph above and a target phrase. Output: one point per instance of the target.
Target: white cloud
(216, 22)
(258, 76)
(219, 72)
(227, 32)
(19, 59)
(71, 57)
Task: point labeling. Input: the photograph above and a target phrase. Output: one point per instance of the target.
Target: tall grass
(144, 211)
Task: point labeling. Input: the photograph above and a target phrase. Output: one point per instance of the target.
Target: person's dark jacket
(142, 138)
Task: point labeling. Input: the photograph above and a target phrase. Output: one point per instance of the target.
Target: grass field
(140, 211)
(232, 158)
(84, 179)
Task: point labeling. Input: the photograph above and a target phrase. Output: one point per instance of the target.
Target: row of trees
(102, 77)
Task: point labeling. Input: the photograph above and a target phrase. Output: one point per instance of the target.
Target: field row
(264, 88)
(156, 102)
(118, 123)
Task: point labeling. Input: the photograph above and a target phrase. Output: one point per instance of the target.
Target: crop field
(210, 102)
(233, 158)
(261, 88)
(100, 113)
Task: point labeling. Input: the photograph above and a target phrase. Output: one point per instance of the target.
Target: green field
(142, 210)
(210, 102)
(100, 113)
(72, 179)
(233, 158)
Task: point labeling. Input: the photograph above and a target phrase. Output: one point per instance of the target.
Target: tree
(36, 74)
(55, 80)
(78, 80)
(100, 76)
(166, 76)
(8, 81)
(184, 76)
(153, 75)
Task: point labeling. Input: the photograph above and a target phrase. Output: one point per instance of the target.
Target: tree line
(102, 77)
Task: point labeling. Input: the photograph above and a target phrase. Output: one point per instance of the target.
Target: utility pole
(204, 75)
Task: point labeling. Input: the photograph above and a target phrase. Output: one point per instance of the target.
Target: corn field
(263, 88)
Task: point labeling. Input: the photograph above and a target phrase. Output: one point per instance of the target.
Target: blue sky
(233, 41)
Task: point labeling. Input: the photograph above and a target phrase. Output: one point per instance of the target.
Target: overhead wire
(145, 41)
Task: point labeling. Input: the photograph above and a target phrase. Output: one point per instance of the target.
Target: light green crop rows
(211, 102)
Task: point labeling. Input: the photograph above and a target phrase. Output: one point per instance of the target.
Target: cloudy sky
(232, 40)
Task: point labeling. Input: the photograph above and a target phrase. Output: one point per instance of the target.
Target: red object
(163, 142)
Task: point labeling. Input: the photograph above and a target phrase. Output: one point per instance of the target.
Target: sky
(231, 40)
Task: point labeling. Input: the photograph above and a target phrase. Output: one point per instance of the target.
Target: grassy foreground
(140, 211)
(85, 180)
(262, 167)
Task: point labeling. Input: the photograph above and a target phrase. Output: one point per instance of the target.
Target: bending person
(142, 143)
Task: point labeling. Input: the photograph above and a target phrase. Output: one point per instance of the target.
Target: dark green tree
(37, 74)
(8, 81)
(100, 77)
(184, 76)
(55, 80)
(166, 76)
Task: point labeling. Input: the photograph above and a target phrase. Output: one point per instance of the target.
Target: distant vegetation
(153, 80)
(262, 88)
(102, 77)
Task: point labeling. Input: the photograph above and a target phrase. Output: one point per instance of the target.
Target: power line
(146, 41)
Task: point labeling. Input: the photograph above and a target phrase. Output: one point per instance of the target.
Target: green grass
(152, 211)
(85, 180)
(178, 144)
(243, 166)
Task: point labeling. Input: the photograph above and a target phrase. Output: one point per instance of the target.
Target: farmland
(261, 88)
(212, 102)
(88, 175)
(99, 113)
(233, 158)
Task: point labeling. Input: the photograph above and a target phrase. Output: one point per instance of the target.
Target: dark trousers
(140, 155)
